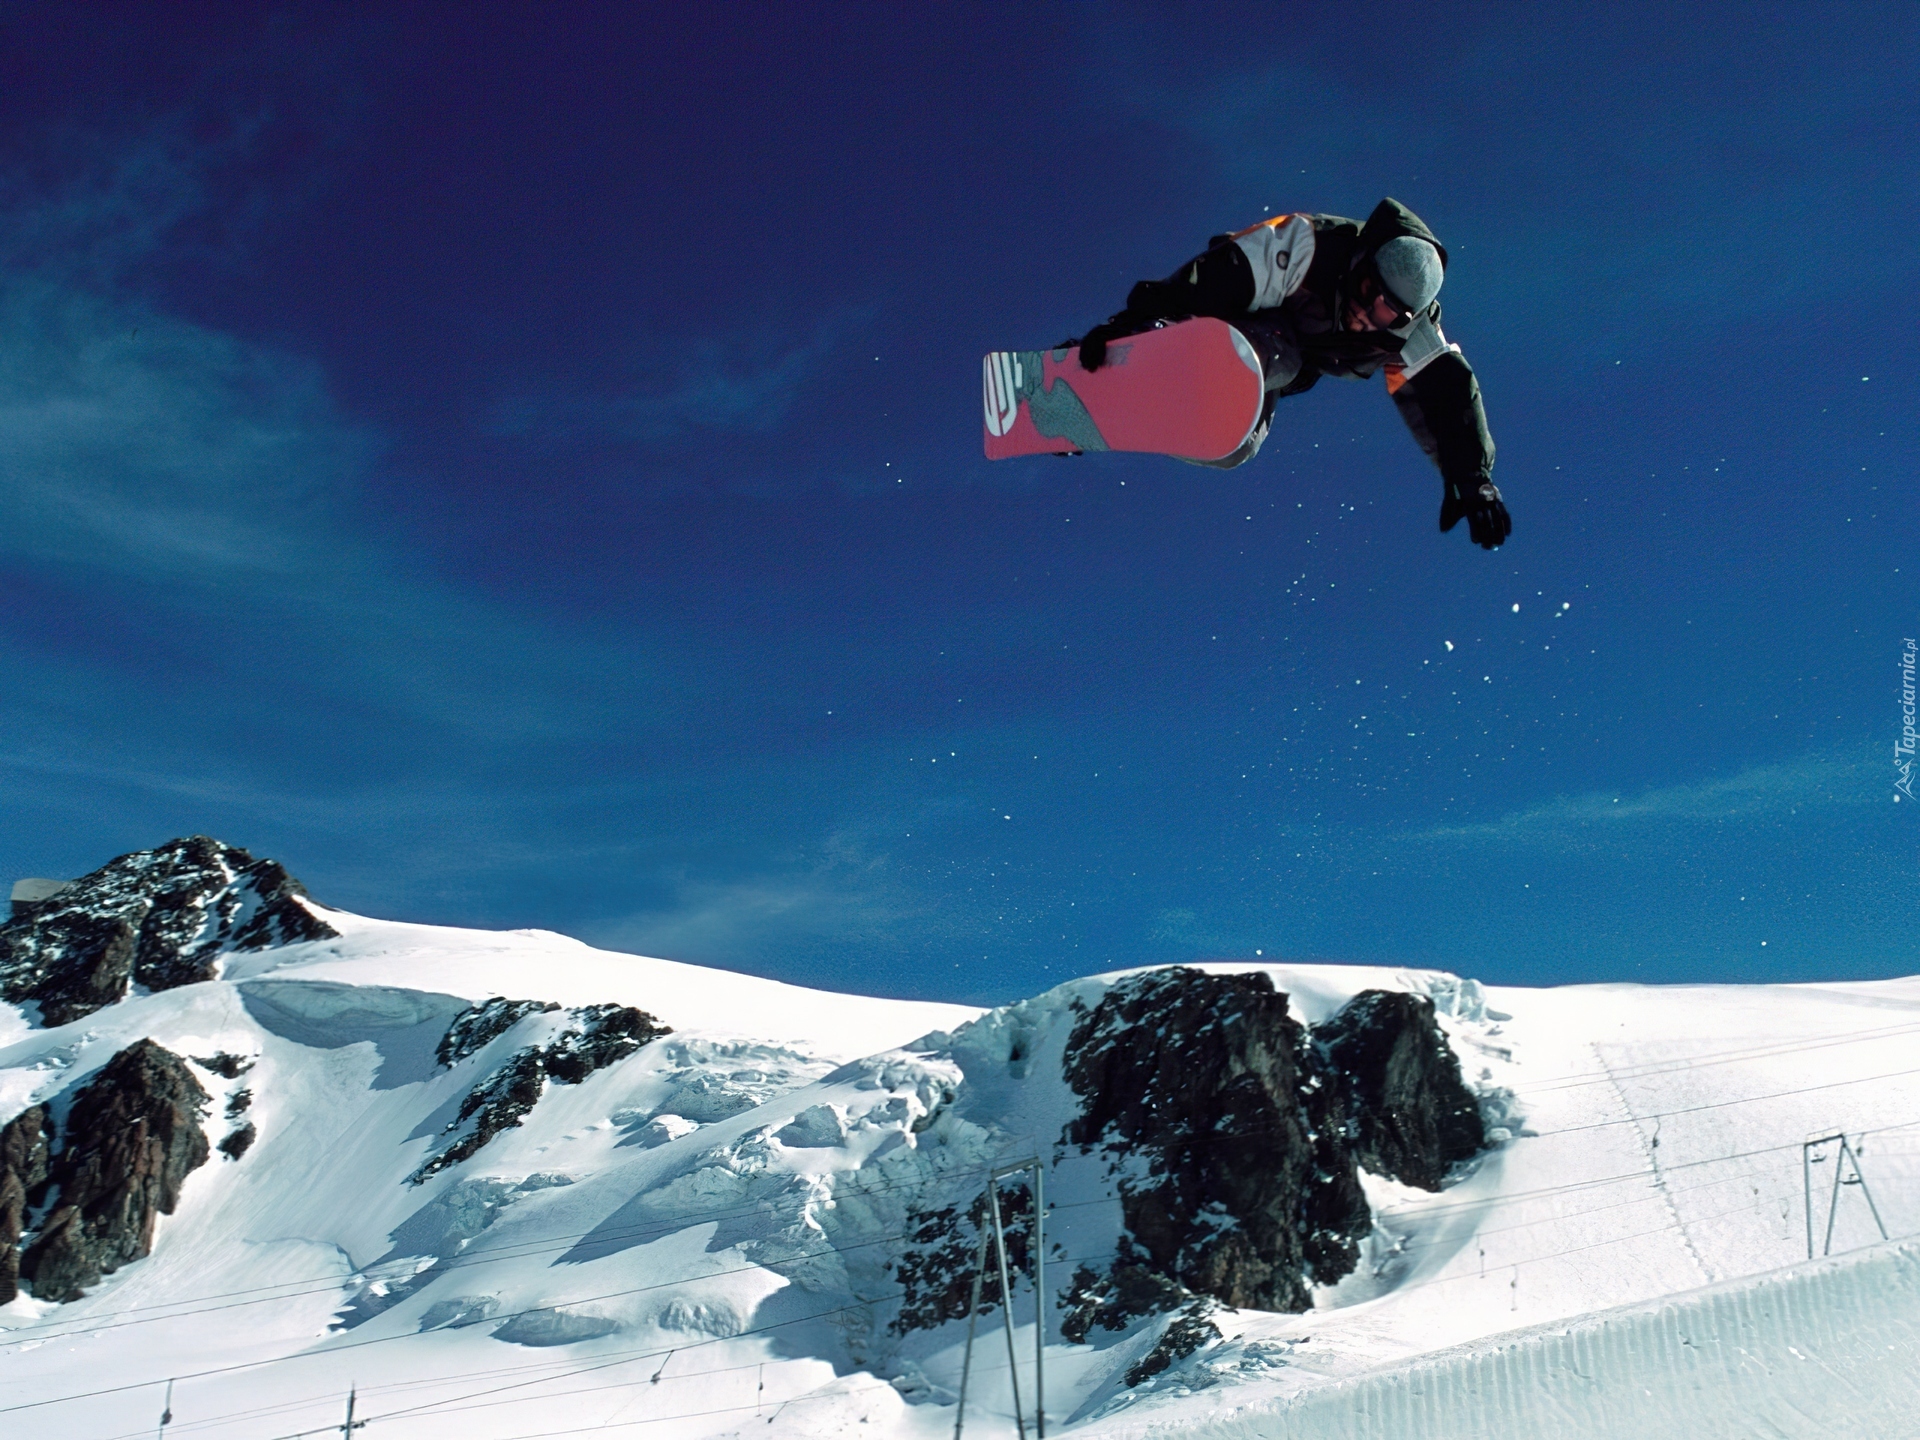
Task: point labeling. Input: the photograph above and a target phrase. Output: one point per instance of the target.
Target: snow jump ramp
(1825, 1348)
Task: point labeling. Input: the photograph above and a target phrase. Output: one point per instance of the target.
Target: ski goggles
(1370, 290)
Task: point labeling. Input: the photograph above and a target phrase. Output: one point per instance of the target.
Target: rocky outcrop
(936, 1270)
(1210, 1087)
(131, 1137)
(1114, 1300)
(23, 1169)
(1185, 1333)
(240, 1139)
(1409, 1114)
(600, 1035)
(158, 918)
(1234, 1137)
(596, 1036)
(478, 1026)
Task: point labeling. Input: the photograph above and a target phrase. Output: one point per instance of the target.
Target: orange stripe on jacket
(1274, 224)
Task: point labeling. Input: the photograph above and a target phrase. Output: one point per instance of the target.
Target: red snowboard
(1192, 390)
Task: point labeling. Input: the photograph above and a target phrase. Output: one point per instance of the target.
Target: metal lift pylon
(998, 1235)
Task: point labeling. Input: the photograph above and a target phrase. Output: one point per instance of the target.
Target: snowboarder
(1323, 295)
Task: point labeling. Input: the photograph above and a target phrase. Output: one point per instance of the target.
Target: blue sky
(525, 471)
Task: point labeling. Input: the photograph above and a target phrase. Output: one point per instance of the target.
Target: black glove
(1479, 502)
(1093, 349)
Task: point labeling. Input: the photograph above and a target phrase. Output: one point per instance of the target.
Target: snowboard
(1192, 390)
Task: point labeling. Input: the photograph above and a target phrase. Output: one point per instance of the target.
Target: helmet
(1410, 269)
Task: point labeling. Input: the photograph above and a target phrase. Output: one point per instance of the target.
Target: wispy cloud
(141, 444)
(700, 387)
(1821, 782)
(213, 481)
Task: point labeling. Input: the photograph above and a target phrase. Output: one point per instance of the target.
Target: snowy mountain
(505, 1185)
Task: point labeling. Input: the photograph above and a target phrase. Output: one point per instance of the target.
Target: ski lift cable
(453, 1403)
(1724, 1104)
(576, 1368)
(570, 1366)
(179, 1310)
(486, 1254)
(989, 1368)
(1648, 1069)
(466, 1259)
(536, 1309)
(1424, 1212)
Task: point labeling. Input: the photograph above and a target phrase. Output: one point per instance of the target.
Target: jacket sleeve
(1253, 269)
(1441, 405)
(1216, 282)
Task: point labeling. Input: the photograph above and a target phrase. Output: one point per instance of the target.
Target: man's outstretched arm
(1441, 406)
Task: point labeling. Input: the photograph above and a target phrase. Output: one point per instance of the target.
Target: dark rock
(1249, 1192)
(599, 1036)
(87, 962)
(1115, 1300)
(1189, 1330)
(23, 1169)
(479, 1026)
(1410, 1116)
(131, 1137)
(227, 1067)
(238, 1142)
(1236, 1138)
(160, 918)
(940, 1258)
(499, 1102)
(239, 1103)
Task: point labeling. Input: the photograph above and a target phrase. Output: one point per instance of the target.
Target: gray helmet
(1411, 269)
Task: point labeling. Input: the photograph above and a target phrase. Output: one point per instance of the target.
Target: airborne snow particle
(1516, 607)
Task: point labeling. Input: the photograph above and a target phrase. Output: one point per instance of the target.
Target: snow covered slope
(747, 1224)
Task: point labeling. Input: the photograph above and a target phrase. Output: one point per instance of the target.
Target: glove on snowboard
(1093, 348)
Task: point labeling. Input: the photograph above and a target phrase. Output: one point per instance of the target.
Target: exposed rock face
(131, 1137)
(598, 1036)
(1186, 1333)
(937, 1269)
(1115, 1300)
(1236, 1137)
(156, 917)
(1410, 1116)
(23, 1169)
(1249, 1191)
(477, 1027)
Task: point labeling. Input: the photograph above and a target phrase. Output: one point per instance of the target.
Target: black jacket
(1302, 337)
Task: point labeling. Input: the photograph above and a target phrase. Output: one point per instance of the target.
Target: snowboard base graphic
(1192, 390)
